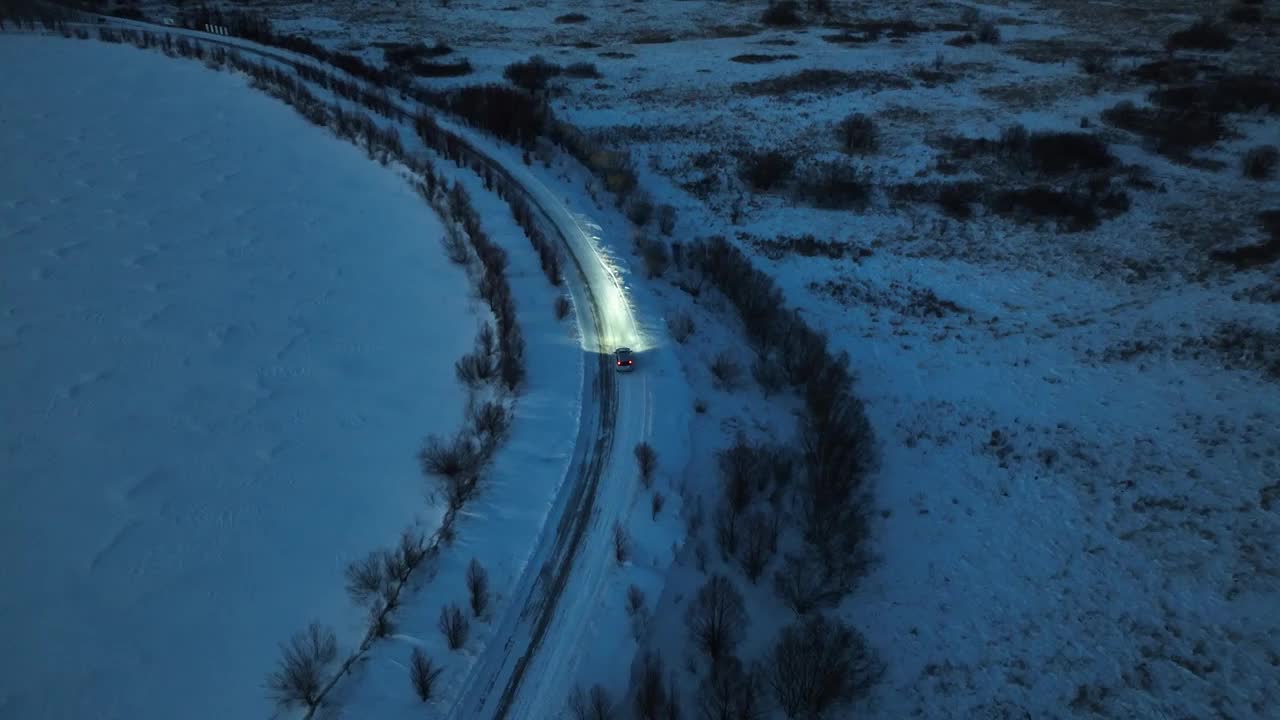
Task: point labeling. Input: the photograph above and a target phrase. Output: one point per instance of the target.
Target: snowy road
(524, 670)
(521, 673)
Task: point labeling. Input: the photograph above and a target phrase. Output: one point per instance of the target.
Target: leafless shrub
(1260, 162)
(1245, 13)
(621, 544)
(700, 556)
(650, 693)
(760, 538)
(656, 256)
(646, 462)
(582, 70)
(681, 325)
(743, 469)
(367, 577)
(454, 626)
(782, 13)
(770, 374)
(727, 530)
(423, 673)
(639, 208)
(533, 74)
(593, 705)
(474, 369)
(448, 459)
(490, 420)
(411, 550)
(858, 134)
(381, 624)
(1203, 35)
(819, 665)
(1096, 62)
(717, 617)
(834, 185)
(455, 247)
(635, 600)
(731, 691)
(800, 584)
(764, 171)
(478, 587)
(726, 370)
(656, 505)
(563, 307)
(666, 219)
(989, 33)
(300, 675)
(694, 519)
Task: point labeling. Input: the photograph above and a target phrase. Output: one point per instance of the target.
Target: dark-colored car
(625, 361)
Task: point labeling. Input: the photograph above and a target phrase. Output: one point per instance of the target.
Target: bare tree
(453, 625)
(635, 600)
(672, 709)
(380, 622)
(646, 462)
(731, 692)
(366, 577)
(681, 326)
(727, 530)
(741, 465)
(758, 542)
(726, 370)
(478, 587)
(455, 246)
(666, 219)
(412, 549)
(650, 692)
(801, 583)
(301, 672)
(818, 665)
(423, 673)
(656, 505)
(593, 705)
(448, 459)
(475, 369)
(717, 617)
(491, 420)
(621, 544)
(562, 307)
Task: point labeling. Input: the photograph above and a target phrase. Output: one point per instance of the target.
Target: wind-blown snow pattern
(223, 334)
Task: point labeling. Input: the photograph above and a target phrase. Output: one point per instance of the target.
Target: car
(624, 360)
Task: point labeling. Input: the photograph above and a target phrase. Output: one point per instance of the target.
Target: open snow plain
(223, 335)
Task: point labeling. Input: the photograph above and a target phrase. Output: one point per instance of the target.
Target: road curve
(582, 542)
(574, 548)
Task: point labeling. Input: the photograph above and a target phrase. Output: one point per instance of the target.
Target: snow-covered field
(223, 335)
(1075, 504)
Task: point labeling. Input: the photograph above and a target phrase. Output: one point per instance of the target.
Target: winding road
(521, 672)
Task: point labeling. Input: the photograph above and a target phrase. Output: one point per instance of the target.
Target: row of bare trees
(305, 670)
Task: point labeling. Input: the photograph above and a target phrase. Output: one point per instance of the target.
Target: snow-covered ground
(223, 336)
(1076, 499)
(1075, 503)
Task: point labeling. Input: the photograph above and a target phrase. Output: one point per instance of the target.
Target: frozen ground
(1077, 496)
(223, 335)
(1077, 491)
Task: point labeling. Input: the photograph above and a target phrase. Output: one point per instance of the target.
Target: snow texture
(223, 335)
